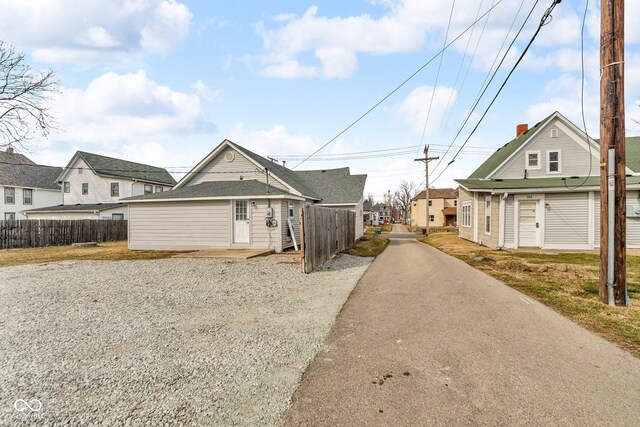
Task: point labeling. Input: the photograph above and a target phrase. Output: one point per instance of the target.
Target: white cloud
(118, 108)
(94, 31)
(273, 141)
(407, 26)
(414, 109)
(206, 92)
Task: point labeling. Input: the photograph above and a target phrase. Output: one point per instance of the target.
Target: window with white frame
(291, 209)
(466, 214)
(487, 215)
(553, 161)
(117, 216)
(432, 218)
(27, 196)
(85, 188)
(533, 159)
(148, 189)
(66, 186)
(9, 195)
(159, 189)
(9, 216)
(115, 189)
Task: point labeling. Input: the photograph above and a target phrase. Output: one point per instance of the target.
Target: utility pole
(426, 161)
(613, 286)
(389, 205)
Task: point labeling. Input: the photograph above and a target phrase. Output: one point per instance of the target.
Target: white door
(240, 222)
(528, 224)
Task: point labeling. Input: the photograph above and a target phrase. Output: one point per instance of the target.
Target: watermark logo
(33, 405)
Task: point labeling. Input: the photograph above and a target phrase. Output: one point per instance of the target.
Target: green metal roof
(555, 182)
(505, 151)
(632, 152)
(118, 168)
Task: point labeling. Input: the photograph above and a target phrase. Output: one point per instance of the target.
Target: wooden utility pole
(426, 161)
(613, 286)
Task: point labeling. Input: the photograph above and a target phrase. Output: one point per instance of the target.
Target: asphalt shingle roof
(334, 186)
(438, 193)
(118, 168)
(79, 207)
(505, 151)
(245, 188)
(19, 171)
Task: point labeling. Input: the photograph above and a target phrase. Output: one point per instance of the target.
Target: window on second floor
(553, 161)
(27, 196)
(430, 203)
(115, 189)
(66, 186)
(159, 189)
(148, 189)
(9, 195)
(533, 159)
(455, 203)
(85, 188)
(432, 218)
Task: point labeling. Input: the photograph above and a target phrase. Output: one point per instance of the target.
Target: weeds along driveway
(163, 342)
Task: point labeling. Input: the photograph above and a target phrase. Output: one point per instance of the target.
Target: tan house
(443, 204)
(542, 190)
(235, 198)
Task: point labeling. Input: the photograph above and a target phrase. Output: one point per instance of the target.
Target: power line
(543, 20)
(435, 86)
(485, 85)
(405, 81)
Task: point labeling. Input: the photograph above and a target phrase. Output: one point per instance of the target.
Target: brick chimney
(522, 128)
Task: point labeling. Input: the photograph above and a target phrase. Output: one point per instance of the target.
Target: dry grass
(566, 282)
(386, 228)
(103, 251)
(371, 245)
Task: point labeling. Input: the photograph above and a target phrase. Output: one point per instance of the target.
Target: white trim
(502, 221)
(484, 222)
(475, 222)
(462, 222)
(591, 220)
(526, 159)
(539, 199)
(559, 171)
(190, 199)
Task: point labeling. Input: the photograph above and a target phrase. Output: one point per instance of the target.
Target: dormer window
(553, 161)
(533, 159)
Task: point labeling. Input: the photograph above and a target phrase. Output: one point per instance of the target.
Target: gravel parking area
(164, 342)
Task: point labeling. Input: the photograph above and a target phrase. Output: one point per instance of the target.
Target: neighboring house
(236, 198)
(542, 190)
(93, 185)
(368, 216)
(442, 208)
(25, 185)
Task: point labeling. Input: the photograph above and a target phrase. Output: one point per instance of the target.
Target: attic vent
(80, 171)
(554, 133)
(229, 156)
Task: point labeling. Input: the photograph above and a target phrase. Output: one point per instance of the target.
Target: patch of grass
(386, 228)
(115, 251)
(371, 245)
(566, 282)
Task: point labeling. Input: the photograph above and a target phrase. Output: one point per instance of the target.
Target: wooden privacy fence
(325, 232)
(31, 233)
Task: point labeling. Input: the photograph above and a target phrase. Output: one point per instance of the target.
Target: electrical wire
(435, 85)
(584, 122)
(405, 81)
(543, 21)
(485, 85)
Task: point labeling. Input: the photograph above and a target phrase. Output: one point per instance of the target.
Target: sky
(163, 82)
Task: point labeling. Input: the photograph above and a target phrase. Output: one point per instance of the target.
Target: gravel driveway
(164, 342)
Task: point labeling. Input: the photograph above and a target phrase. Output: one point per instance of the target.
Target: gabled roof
(503, 153)
(334, 186)
(366, 206)
(216, 189)
(437, 193)
(118, 168)
(79, 207)
(16, 170)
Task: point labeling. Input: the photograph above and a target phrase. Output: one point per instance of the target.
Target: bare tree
(403, 195)
(24, 98)
(634, 119)
(370, 198)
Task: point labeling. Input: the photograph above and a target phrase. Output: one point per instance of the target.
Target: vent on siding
(229, 156)
(554, 133)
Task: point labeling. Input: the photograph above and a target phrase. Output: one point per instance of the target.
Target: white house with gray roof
(26, 185)
(542, 190)
(237, 198)
(93, 185)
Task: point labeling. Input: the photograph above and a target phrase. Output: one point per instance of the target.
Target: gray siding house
(25, 185)
(235, 198)
(542, 190)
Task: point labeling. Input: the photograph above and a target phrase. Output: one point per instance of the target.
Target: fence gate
(325, 233)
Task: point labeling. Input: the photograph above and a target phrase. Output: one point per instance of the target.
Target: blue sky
(164, 81)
